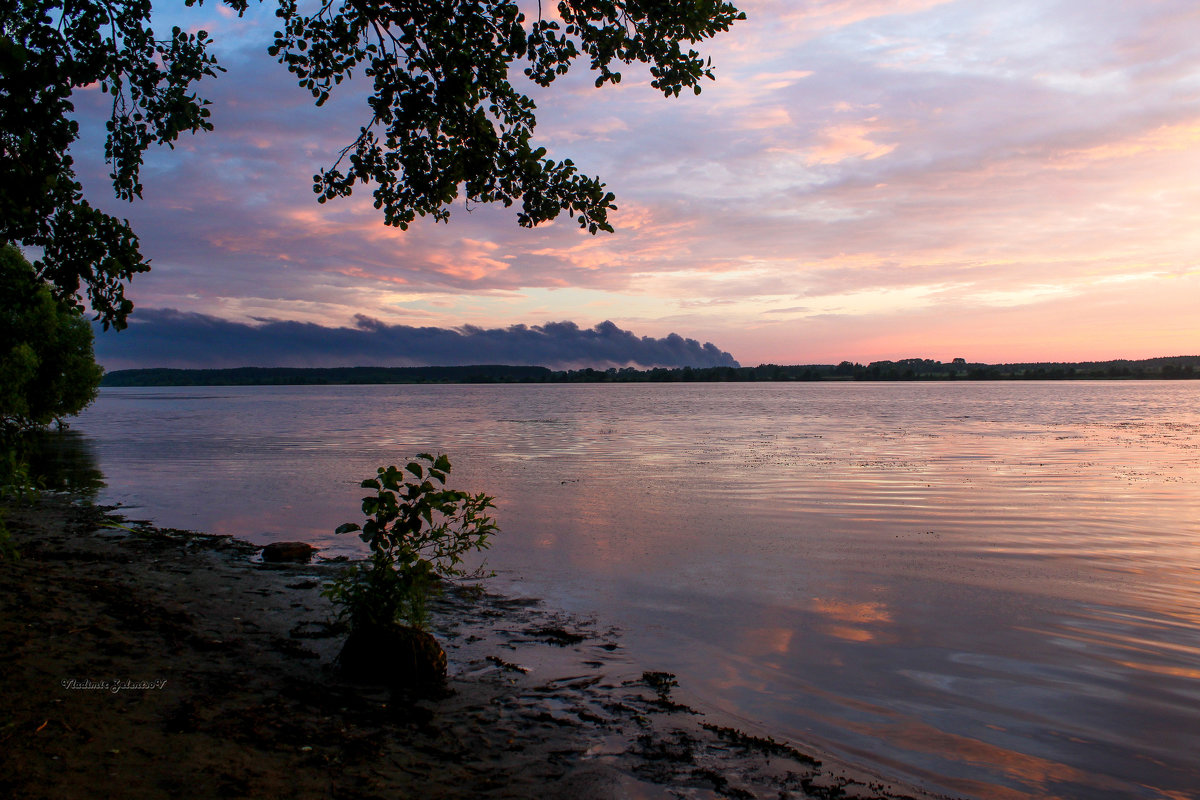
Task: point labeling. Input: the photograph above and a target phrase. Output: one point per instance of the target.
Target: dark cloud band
(170, 338)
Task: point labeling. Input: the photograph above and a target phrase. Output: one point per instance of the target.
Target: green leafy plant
(17, 488)
(8, 550)
(47, 367)
(418, 531)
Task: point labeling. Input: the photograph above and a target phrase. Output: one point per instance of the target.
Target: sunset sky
(870, 179)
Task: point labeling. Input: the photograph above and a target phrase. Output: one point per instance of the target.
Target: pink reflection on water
(990, 586)
(1040, 778)
(853, 622)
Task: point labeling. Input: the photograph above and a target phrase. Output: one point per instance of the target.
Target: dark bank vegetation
(298, 376)
(47, 372)
(47, 367)
(418, 531)
(909, 369)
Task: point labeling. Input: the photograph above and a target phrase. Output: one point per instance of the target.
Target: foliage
(442, 118)
(8, 550)
(418, 532)
(17, 487)
(17, 484)
(444, 115)
(47, 368)
(48, 49)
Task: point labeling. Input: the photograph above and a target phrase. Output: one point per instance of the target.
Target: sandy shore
(140, 662)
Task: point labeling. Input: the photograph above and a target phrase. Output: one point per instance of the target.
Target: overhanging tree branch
(446, 121)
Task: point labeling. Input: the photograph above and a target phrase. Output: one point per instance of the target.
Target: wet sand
(142, 662)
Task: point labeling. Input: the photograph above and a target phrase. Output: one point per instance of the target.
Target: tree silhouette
(47, 369)
(443, 119)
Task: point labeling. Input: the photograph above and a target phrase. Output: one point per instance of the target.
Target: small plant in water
(17, 488)
(418, 531)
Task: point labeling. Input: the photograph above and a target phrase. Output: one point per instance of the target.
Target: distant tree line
(909, 369)
(960, 369)
(325, 376)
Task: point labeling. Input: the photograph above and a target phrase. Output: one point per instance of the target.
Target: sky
(865, 180)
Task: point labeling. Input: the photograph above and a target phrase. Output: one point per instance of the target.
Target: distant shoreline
(912, 369)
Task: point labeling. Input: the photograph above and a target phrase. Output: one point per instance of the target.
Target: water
(988, 589)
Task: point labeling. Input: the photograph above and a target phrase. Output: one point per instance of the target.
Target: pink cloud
(838, 143)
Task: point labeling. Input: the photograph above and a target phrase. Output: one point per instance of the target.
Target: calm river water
(990, 589)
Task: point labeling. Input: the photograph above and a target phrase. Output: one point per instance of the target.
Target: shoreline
(144, 662)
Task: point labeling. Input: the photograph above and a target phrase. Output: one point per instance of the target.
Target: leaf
(348, 528)
(416, 530)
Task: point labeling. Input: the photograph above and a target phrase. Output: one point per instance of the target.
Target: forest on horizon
(909, 369)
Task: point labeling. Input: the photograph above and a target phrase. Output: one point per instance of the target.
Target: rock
(396, 655)
(600, 782)
(293, 552)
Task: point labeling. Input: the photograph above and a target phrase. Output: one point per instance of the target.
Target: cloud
(171, 338)
(840, 142)
(929, 153)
